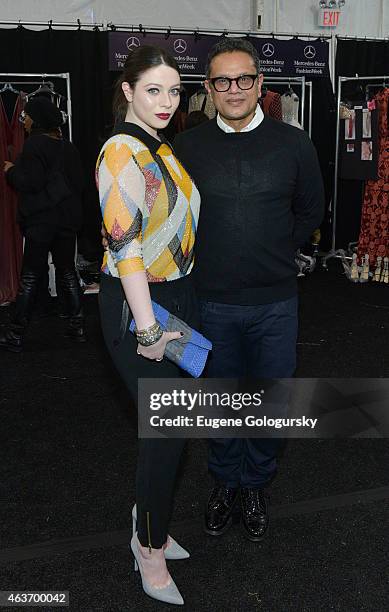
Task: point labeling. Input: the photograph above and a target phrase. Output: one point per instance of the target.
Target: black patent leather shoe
(222, 510)
(255, 516)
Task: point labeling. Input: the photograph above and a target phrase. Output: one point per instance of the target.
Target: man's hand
(104, 240)
(7, 165)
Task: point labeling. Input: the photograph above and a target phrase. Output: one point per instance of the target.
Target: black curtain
(365, 58)
(84, 55)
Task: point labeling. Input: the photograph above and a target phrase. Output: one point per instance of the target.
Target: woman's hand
(7, 165)
(156, 351)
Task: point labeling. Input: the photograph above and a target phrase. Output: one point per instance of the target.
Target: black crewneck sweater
(261, 198)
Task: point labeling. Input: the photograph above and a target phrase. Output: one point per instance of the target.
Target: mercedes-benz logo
(309, 52)
(132, 43)
(268, 50)
(180, 45)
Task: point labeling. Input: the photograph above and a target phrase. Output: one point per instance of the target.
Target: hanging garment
(202, 101)
(11, 242)
(374, 234)
(344, 111)
(290, 103)
(271, 105)
(179, 119)
(358, 148)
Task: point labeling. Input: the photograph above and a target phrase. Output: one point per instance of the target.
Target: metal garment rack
(43, 77)
(27, 83)
(334, 252)
(303, 84)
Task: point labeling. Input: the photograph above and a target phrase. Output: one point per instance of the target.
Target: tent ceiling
(359, 17)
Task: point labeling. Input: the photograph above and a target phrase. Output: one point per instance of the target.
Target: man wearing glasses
(261, 198)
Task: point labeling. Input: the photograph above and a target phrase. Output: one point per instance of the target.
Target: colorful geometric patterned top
(150, 206)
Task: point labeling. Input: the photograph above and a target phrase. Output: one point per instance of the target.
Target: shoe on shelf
(255, 516)
(221, 510)
(173, 551)
(168, 594)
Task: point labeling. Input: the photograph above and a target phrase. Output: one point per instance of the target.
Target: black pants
(39, 241)
(260, 342)
(158, 459)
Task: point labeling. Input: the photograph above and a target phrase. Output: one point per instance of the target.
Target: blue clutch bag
(189, 352)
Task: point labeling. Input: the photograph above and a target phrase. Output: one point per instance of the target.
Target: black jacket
(261, 198)
(35, 167)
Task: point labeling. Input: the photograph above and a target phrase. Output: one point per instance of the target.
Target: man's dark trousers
(259, 342)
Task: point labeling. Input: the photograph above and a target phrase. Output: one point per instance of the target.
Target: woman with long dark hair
(150, 208)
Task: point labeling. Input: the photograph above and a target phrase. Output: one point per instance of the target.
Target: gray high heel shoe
(173, 552)
(169, 594)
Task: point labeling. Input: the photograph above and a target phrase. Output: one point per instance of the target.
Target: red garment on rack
(374, 235)
(11, 242)
(271, 105)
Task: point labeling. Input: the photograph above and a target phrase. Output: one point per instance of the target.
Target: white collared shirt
(255, 122)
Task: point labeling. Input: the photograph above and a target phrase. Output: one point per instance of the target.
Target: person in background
(150, 208)
(49, 178)
(262, 197)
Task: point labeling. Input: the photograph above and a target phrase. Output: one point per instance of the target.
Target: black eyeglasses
(244, 81)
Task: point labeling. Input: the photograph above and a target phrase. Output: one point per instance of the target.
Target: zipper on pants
(148, 530)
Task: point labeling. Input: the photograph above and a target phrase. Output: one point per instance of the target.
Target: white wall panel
(218, 14)
(385, 18)
(359, 17)
(44, 10)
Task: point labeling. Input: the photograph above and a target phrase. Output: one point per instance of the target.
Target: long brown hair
(137, 62)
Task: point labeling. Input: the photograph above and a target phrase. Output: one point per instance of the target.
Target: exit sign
(329, 18)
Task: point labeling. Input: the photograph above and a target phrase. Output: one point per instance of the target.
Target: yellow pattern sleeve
(122, 200)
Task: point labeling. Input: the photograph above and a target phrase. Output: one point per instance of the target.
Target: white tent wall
(218, 14)
(359, 17)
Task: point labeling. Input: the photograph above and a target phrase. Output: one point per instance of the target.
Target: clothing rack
(301, 81)
(43, 81)
(372, 85)
(27, 83)
(63, 75)
(50, 85)
(334, 252)
(197, 77)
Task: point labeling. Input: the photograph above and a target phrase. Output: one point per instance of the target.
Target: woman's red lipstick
(163, 115)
